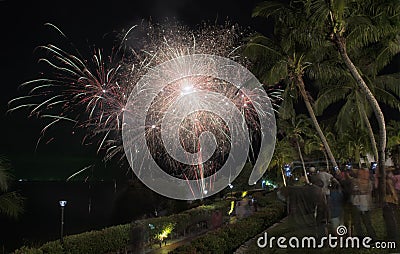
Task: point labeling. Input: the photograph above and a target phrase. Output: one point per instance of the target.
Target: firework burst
(96, 94)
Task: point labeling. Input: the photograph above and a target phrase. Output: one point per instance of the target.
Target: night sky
(86, 25)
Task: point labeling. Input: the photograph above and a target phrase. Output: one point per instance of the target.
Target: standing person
(335, 206)
(326, 178)
(312, 171)
(361, 200)
(345, 183)
(307, 209)
(321, 205)
(389, 209)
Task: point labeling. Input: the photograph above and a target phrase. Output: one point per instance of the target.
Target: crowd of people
(345, 197)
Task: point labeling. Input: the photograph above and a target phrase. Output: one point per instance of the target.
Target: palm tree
(283, 154)
(355, 111)
(354, 143)
(293, 131)
(11, 202)
(313, 143)
(280, 60)
(351, 25)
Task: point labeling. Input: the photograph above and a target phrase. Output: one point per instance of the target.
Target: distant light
(288, 172)
(63, 203)
(153, 126)
(104, 90)
(205, 192)
(230, 186)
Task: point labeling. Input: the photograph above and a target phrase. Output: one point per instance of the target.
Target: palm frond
(5, 176)
(318, 11)
(389, 82)
(384, 96)
(261, 47)
(330, 96)
(388, 50)
(267, 9)
(286, 110)
(345, 118)
(11, 204)
(327, 71)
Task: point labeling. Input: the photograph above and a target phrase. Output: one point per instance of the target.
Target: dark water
(89, 206)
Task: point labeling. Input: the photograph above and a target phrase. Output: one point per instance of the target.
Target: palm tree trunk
(283, 175)
(302, 161)
(300, 84)
(326, 160)
(357, 157)
(341, 44)
(370, 133)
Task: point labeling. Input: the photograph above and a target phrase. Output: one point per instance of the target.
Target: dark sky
(85, 23)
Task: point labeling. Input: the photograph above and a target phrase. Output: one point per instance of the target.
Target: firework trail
(96, 94)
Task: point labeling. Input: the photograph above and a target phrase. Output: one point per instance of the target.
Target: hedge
(99, 241)
(225, 239)
(228, 238)
(115, 238)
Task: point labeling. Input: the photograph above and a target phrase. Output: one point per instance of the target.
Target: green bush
(263, 201)
(105, 240)
(52, 247)
(27, 250)
(227, 239)
(117, 237)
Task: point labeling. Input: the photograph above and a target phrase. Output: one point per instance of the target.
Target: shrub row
(117, 237)
(99, 241)
(228, 238)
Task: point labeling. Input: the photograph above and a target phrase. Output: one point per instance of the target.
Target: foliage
(292, 57)
(284, 153)
(228, 238)
(118, 237)
(11, 202)
(27, 250)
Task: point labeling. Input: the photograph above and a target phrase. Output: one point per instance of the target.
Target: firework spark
(93, 94)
